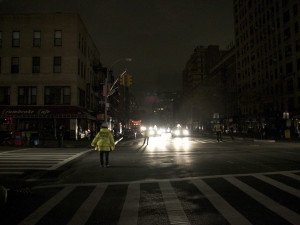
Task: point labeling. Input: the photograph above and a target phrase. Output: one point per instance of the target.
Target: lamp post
(106, 84)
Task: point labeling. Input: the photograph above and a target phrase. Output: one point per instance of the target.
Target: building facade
(47, 74)
(194, 78)
(267, 40)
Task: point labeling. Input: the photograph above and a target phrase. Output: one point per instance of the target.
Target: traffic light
(122, 79)
(129, 80)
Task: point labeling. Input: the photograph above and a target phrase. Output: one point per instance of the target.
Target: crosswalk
(159, 141)
(27, 159)
(237, 199)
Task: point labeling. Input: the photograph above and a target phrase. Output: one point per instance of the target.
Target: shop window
(4, 96)
(15, 65)
(57, 96)
(27, 96)
(35, 64)
(16, 39)
(57, 64)
(37, 39)
(58, 38)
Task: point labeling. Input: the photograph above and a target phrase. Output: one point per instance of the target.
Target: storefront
(45, 120)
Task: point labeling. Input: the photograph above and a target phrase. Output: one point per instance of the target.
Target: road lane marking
(280, 210)
(279, 185)
(68, 160)
(174, 209)
(46, 207)
(83, 213)
(170, 180)
(13, 151)
(129, 214)
(230, 214)
(291, 175)
(8, 172)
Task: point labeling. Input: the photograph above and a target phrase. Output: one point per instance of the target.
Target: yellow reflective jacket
(104, 140)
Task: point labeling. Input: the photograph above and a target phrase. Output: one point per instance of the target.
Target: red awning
(43, 112)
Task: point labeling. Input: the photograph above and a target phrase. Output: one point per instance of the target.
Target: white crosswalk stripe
(173, 204)
(26, 160)
(284, 212)
(83, 213)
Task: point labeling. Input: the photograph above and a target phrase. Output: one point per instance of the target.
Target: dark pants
(219, 136)
(60, 141)
(106, 157)
(146, 138)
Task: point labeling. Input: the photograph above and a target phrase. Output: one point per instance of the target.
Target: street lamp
(106, 83)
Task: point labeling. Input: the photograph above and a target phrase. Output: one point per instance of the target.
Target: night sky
(159, 35)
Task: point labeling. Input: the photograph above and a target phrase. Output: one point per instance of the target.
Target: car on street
(180, 132)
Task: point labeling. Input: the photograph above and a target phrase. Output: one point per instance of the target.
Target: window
(15, 65)
(289, 68)
(36, 39)
(35, 64)
(27, 96)
(286, 17)
(16, 39)
(289, 86)
(81, 97)
(58, 38)
(287, 34)
(0, 39)
(297, 45)
(288, 50)
(57, 64)
(295, 9)
(0, 65)
(57, 96)
(296, 27)
(4, 96)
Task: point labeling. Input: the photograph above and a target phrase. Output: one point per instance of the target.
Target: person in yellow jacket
(218, 129)
(104, 142)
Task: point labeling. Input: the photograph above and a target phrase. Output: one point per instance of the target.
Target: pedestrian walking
(104, 142)
(219, 132)
(60, 136)
(146, 136)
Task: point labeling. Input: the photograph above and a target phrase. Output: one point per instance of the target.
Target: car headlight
(177, 132)
(151, 132)
(185, 132)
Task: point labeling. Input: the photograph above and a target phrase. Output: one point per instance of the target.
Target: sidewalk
(53, 143)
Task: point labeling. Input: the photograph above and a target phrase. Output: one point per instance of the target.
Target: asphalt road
(169, 181)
